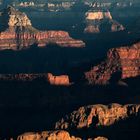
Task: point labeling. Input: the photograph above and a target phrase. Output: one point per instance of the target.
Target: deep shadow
(127, 129)
(28, 106)
(116, 77)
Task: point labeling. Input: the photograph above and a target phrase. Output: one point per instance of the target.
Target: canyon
(87, 119)
(16, 33)
(121, 63)
(52, 87)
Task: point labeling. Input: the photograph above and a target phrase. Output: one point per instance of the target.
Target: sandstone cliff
(51, 79)
(97, 116)
(46, 135)
(16, 32)
(58, 80)
(121, 63)
(101, 21)
(53, 135)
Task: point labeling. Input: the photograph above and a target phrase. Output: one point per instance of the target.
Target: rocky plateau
(16, 33)
(98, 21)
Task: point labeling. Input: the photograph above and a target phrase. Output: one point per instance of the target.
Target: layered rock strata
(53, 80)
(97, 116)
(121, 63)
(16, 32)
(101, 21)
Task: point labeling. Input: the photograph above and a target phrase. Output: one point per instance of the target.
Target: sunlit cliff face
(122, 63)
(97, 115)
(17, 33)
(11, 17)
(98, 15)
(50, 78)
(101, 21)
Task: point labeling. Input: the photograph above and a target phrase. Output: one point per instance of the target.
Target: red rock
(125, 60)
(58, 80)
(53, 80)
(97, 116)
(98, 20)
(48, 135)
(19, 33)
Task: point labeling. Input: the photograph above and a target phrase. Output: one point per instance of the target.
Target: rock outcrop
(16, 32)
(101, 21)
(50, 78)
(58, 80)
(121, 63)
(53, 135)
(97, 116)
(46, 135)
(100, 138)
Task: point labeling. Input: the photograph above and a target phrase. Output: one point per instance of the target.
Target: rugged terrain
(60, 90)
(38, 106)
(51, 79)
(16, 32)
(98, 21)
(121, 63)
(97, 116)
(84, 122)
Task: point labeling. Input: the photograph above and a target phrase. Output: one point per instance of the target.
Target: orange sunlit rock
(125, 61)
(94, 116)
(16, 32)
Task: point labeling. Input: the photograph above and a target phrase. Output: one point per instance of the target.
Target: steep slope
(16, 32)
(121, 63)
(94, 116)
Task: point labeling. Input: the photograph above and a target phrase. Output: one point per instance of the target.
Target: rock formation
(16, 32)
(51, 79)
(101, 21)
(101, 138)
(58, 80)
(53, 135)
(56, 135)
(97, 116)
(121, 63)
